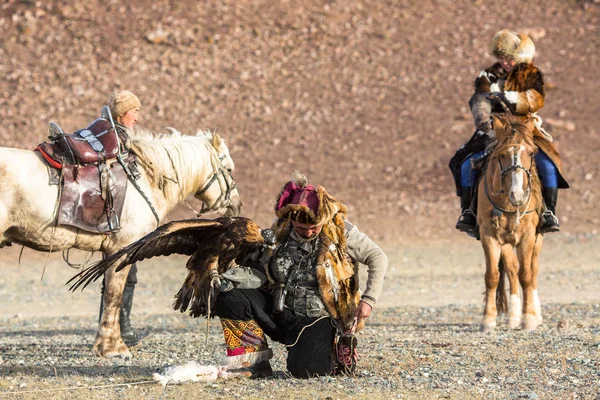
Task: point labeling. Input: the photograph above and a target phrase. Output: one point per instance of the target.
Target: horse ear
(216, 141)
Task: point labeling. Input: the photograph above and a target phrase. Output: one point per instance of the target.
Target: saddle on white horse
(93, 180)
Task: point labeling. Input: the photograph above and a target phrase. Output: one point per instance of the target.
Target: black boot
(129, 336)
(127, 333)
(261, 370)
(467, 221)
(550, 224)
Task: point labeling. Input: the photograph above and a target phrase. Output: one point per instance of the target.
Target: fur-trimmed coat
(522, 90)
(338, 285)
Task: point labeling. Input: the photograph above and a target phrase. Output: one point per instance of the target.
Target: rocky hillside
(367, 98)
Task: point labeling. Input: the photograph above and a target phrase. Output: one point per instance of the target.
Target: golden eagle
(214, 245)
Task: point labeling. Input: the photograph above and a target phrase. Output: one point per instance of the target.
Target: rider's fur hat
(122, 101)
(302, 202)
(510, 44)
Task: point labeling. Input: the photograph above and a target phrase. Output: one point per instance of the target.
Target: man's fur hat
(302, 202)
(510, 44)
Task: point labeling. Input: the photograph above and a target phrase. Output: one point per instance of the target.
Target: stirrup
(467, 221)
(550, 222)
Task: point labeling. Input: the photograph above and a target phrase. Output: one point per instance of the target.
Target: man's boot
(467, 221)
(127, 333)
(550, 224)
(261, 370)
(247, 349)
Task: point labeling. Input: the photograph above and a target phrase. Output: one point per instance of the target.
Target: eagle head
(269, 236)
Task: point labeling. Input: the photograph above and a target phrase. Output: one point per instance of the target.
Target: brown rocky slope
(367, 98)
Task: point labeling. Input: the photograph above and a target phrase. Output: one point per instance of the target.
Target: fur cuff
(248, 359)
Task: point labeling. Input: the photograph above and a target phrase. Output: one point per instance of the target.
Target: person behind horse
(311, 292)
(124, 107)
(515, 81)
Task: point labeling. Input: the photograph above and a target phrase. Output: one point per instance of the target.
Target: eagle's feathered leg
(200, 302)
(196, 287)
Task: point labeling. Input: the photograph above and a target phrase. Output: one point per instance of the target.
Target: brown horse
(508, 213)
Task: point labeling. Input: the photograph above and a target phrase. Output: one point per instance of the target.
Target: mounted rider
(515, 81)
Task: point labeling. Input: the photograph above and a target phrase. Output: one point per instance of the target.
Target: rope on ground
(80, 387)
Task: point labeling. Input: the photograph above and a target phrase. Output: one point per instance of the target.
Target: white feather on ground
(193, 372)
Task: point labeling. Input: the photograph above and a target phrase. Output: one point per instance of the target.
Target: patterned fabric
(346, 355)
(243, 337)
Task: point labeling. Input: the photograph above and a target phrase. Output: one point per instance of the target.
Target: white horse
(173, 166)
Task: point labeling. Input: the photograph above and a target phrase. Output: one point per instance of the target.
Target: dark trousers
(312, 350)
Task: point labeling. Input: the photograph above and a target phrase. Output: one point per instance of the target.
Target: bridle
(504, 171)
(218, 175)
(514, 166)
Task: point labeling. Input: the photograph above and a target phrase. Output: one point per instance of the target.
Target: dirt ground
(368, 98)
(423, 341)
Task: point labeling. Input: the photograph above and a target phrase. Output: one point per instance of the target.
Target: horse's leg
(108, 339)
(492, 256)
(511, 265)
(537, 248)
(525, 251)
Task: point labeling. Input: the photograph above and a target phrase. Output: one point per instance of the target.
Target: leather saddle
(92, 178)
(96, 143)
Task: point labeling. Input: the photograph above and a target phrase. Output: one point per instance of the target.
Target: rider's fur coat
(522, 90)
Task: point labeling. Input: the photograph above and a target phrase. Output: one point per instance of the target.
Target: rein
(225, 194)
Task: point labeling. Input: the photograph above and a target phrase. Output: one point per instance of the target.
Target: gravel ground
(423, 341)
(406, 352)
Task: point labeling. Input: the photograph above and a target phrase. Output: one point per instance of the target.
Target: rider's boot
(129, 336)
(467, 220)
(550, 224)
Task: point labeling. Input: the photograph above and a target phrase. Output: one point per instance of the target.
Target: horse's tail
(501, 299)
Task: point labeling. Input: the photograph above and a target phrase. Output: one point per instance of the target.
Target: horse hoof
(488, 327)
(514, 323)
(119, 349)
(530, 323)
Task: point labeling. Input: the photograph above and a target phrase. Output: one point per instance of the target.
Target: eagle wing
(240, 238)
(177, 237)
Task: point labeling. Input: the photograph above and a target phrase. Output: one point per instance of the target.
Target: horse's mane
(512, 134)
(159, 153)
